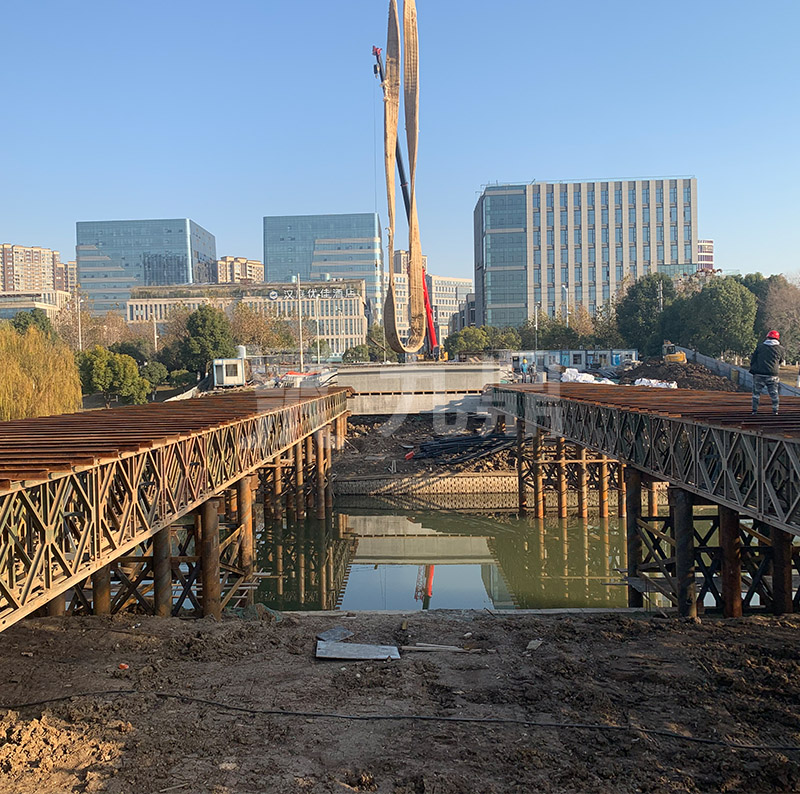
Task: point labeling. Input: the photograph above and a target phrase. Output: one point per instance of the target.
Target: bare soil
(687, 376)
(193, 717)
(376, 447)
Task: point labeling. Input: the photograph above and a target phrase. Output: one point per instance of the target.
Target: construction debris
(355, 651)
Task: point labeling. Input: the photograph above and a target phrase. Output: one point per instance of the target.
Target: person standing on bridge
(765, 366)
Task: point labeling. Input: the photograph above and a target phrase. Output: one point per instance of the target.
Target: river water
(381, 556)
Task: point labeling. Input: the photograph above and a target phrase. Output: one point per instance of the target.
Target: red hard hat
(773, 335)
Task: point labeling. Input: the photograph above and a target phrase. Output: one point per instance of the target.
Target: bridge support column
(538, 475)
(299, 494)
(522, 491)
(162, 573)
(209, 553)
(277, 489)
(583, 487)
(652, 499)
(781, 571)
(308, 459)
(731, 544)
(683, 522)
(319, 449)
(244, 499)
(633, 514)
(603, 486)
(621, 497)
(57, 607)
(101, 591)
(562, 477)
(326, 438)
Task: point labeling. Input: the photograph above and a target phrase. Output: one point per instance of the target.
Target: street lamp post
(316, 312)
(535, 339)
(566, 301)
(300, 321)
(79, 301)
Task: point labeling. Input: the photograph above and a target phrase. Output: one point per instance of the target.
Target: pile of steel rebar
(466, 447)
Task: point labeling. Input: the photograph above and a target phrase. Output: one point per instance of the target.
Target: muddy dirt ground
(194, 714)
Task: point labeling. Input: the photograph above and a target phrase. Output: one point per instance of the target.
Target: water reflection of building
(496, 587)
(306, 564)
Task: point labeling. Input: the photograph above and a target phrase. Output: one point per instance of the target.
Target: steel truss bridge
(79, 492)
(712, 452)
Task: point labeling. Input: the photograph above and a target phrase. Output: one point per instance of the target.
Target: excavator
(422, 330)
(671, 354)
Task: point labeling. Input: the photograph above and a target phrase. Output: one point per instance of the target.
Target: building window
(576, 235)
(660, 253)
(618, 254)
(687, 194)
(563, 217)
(551, 257)
(592, 276)
(673, 253)
(590, 197)
(659, 215)
(564, 256)
(536, 200)
(604, 216)
(590, 235)
(578, 275)
(659, 195)
(591, 255)
(632, 215)
(590, 217)
(604, 234)
(687, 253)
(577, 217)
(605, 254)
(549, 217)
(645, 195)
(563, 237)
(550, 199)
(673, 214)
(618, 234)
(537, 238)
(631, 234)
(634, 272)
(646, 253)
(659, 234)
(618, 197)
(618, 215)
(673, 195)
(576, 196)
(578, 256)
(564, 275)
(687, 214)
(646, 215)
(563, 196)
(537, 275)
(646, 234)
(673, 234)
(631, 195)
(550, 237)
(632, 253)
(604, 197)
(619, 272)
(537, 257)
(537, 217)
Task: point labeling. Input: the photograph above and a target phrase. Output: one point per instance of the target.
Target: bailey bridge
(163, 493)
(734, 485)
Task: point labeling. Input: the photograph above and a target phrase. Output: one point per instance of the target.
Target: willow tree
(39, 375)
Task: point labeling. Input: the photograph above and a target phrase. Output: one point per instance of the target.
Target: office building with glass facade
(563, 244)
(115, 256)
(319, 247)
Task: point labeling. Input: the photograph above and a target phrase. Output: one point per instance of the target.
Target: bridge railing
(55, 533)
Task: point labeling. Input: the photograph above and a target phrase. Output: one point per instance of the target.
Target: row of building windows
(604, 195)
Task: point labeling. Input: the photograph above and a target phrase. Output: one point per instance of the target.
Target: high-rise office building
(705, 254)
(446, 293)
(114, 256)
(400, 262)
(562, 244)
(28, 268)
(318, 247)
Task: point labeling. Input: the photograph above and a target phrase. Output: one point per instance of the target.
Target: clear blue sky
(227, 111)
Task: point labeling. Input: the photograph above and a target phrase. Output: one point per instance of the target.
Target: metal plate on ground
(335, 634)
(354, 650)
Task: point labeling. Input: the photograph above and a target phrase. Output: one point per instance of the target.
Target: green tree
(355, 355)
(638, 312)
(721, 317)
(154, 372)
(605, 330)
(467, 340)
(208, 337)
(501, 338)
(140, 349)
(111, 374)
(379, 349)
(35, 318)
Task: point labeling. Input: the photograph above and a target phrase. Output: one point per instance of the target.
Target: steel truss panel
(57, 531)
(744, 469)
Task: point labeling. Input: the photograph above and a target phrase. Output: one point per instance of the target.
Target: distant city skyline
(703, 89)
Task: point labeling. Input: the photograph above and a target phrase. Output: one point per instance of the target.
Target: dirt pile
(687, 376)
(199, 709)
